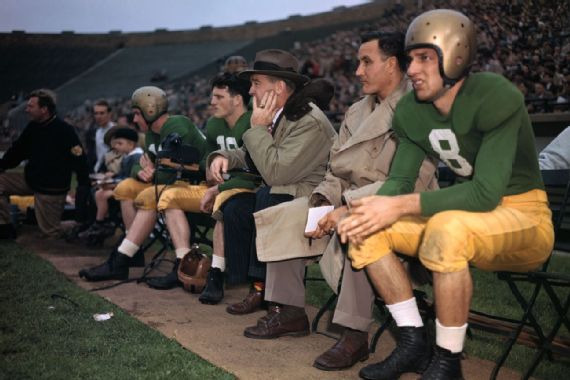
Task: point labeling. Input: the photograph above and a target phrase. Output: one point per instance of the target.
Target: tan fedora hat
(276, 63)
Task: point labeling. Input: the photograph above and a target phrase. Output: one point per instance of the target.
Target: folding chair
(200, 226)
(557, 183)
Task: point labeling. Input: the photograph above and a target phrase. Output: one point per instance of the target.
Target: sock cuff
(128, 248)
(181, 252)
(219, 262)
(451, 338)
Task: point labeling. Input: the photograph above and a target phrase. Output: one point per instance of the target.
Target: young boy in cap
(123, 141)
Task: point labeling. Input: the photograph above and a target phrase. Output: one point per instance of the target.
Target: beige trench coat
(359, 163)
(294, 160)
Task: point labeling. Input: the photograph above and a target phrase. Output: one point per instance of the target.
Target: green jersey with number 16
(486, 139)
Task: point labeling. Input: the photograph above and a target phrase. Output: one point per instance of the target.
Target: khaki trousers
(284, 284)
(48, 208)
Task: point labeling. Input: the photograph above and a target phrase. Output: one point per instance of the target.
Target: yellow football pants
(128, 189)
(516, 236)
(179, 195)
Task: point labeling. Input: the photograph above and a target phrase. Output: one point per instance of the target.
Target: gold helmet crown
(451, 34)
(151, 101)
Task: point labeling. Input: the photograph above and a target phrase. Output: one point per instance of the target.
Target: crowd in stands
(527, 42)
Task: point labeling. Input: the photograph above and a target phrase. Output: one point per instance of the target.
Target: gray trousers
(284, 284)
(48, 208)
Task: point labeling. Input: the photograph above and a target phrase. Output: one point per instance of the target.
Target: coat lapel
(373, 120)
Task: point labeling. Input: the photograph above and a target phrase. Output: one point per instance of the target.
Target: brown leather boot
(349, 349)
(251, 303)
(280, 321)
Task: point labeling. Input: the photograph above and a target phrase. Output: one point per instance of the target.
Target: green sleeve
(405, 167)
(196, 139)
(492, 173)
(238, 182)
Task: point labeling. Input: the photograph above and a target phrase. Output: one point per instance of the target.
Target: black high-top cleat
(115, 268)
(166, 282)
(444, 365)
(412, 354)
(214, 290)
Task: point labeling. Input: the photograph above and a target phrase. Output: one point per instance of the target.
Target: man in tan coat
(359, 163)
(287, 145)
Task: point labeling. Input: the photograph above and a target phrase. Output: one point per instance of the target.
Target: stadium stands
(528, 42)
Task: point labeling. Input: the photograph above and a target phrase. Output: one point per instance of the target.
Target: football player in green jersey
(230, 96)
(496, 216)
(137, 194)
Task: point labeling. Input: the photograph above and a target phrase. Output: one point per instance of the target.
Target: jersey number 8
(444, 142)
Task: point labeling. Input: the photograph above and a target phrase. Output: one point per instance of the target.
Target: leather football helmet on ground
(451, 34)
(193, 270)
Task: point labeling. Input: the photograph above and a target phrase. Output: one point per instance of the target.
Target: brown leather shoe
(349, 349)
(280, 321)
(252, 302)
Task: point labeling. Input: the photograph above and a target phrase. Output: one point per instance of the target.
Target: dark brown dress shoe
(349, 349)
(280, 321)
(252, 302)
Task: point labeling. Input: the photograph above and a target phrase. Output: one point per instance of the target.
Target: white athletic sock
(406, 313)
(219, 262)
(181, 252)
(450, 338)
(128, 248)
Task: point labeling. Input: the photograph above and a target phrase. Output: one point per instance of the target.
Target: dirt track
(212, 333)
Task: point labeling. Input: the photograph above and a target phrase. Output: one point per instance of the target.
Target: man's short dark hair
(104, 103)
(46, 98)
(389, 43)
(235, 85)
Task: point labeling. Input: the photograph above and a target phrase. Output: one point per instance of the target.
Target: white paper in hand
(315, 214)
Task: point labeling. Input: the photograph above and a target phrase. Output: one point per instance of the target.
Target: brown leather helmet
(193, 270)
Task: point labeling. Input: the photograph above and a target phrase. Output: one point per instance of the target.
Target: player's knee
(126, 189)
(145, 201)
(445, 243)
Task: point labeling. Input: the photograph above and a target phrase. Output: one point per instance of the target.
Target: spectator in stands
(224, 132)
(235, 64)
(359, 163)
(96, 137)
(288, 145)
(556, 155)
(123, 141)
(137, 193)
(495, 218)
(53, 152)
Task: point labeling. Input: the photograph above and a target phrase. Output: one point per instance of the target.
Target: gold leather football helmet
(151, 101)
(451, 34)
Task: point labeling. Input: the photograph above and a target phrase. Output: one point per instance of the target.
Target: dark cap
(121, 133)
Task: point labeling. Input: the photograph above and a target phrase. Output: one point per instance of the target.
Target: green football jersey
(221, 137)
(486, 139)
(189, 134)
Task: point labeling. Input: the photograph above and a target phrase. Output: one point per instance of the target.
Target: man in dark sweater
(53, 151)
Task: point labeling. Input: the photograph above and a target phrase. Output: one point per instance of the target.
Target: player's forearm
(409, 204)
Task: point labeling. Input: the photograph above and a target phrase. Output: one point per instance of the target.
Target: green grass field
(47, 331)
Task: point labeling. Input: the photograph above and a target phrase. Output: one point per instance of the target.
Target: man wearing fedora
(288, 145)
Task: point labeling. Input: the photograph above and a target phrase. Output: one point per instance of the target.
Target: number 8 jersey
(486, 139)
